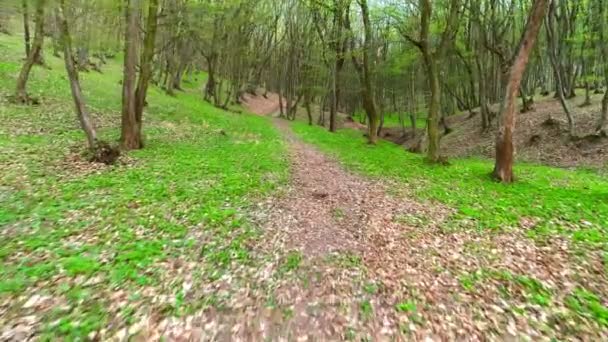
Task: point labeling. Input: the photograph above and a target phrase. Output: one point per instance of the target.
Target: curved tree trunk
(503, 168)
(33, 55)
(81, 110)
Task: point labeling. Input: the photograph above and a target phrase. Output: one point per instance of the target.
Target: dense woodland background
(412, 60)
(363, 209)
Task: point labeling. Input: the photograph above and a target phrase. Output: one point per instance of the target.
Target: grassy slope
(569, 202)
(62, 227)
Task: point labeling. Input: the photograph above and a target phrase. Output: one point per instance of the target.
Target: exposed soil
(541, 136)
(267, 104)
(344, 257)
(260, 104)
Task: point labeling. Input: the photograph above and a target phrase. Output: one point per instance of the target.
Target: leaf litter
(343, 257)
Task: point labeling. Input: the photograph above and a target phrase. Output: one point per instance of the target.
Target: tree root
(104, 153)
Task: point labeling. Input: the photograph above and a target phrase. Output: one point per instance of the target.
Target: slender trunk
(308, 109)
(381, 124)
(333, 111)
(130, 137)
(20, 92)
(413, 121)
(556, 66)
(210, 86)
(81, 110)
(281, 107)
(434, 108)
(602, 126)
(322, 104)
(147, 55)
(503, 169)
(26, 27)
(526, 102)
(483, 97)
(585, 70)
(366, 76)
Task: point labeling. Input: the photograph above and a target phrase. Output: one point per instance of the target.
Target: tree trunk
(130, 132)
(333, 110)
(366, 76)
(307, 102)
(602, 126)
(210, 87)
(483, 97)
(26, 27)
(146, 71)
(503, 169)
(20, 92)
(434, 107)
(81, 110)
(559, 76)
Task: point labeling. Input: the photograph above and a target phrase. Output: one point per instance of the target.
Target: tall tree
(81, 110)
(26, 26)
(132, 126)
(503, 169)
(602, 126)
(131, 133)
(432, 57)
(21, 95)
(366, 75)
(555, 63)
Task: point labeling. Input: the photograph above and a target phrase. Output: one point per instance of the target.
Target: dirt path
(346, 258)
(262, 105)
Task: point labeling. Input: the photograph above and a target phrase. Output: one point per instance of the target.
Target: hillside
(541, 136)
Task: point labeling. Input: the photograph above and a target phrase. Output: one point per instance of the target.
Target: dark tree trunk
(503, 169)
(307, 102)
(26, 27)
(211, 85)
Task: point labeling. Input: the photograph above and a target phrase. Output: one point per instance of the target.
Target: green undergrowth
(79, 232)
(573, 203)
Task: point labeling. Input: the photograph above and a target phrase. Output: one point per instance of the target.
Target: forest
(303, 170)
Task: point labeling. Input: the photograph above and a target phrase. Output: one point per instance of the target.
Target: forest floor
(240, 227)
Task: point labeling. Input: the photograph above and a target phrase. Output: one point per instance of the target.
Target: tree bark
(602, 125)
(26, 27)
(81, 110)
(503, 169)
(20, 92)
(559, 76)
(141, 90)
(366, 76)
(130, 137)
